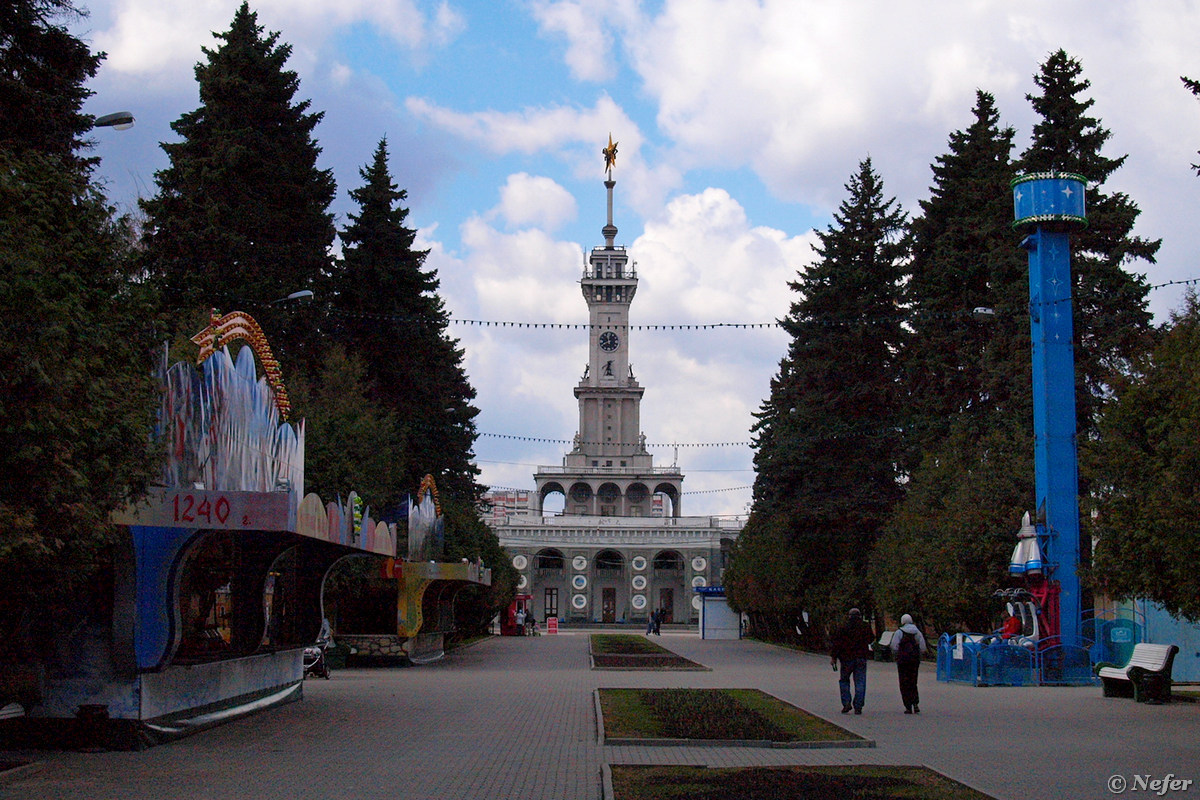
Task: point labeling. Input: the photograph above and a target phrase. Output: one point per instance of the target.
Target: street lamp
(303, 294)
(118, 121)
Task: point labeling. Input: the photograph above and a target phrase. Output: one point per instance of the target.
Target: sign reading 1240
(190, 508)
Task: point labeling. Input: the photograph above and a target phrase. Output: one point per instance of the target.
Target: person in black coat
(852, 647)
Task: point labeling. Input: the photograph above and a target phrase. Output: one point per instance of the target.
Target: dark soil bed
(628, 651)
(780, 783)
(668, 661)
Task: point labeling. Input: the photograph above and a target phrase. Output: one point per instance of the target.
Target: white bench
(1147, 676)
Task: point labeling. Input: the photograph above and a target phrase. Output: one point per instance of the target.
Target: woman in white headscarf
(908, 645)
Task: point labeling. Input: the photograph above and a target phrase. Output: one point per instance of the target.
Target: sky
(738, 124)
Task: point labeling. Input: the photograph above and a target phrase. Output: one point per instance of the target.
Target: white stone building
(622, 547)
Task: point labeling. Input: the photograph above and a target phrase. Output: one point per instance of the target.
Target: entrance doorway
(550, 606)
(608, 605)
(666, 601)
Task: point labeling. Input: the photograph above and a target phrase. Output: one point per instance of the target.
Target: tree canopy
(78, 400)
(1112, 318)
(384, 303)
(43, 69)
(241, 218)
(1148, 528)
(827, 439)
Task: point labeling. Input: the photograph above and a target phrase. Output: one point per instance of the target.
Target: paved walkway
(513, 718)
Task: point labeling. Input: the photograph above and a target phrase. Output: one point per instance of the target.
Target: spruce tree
(1112, 319)
(968, 439)
(1193, 87)
(241, 215)
(964, 257)
(384, 305)
(43, 69)
(827, 438)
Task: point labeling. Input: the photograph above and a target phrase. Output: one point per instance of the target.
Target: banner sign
(211, 510)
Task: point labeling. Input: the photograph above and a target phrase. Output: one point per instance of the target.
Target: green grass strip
(624, 644)
(725, 714)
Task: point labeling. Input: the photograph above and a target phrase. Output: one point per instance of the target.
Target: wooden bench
(1147, 676)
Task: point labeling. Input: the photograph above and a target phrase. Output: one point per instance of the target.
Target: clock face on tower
(609, 341)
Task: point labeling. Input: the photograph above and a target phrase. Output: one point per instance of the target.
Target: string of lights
(513, 437)
(713, 326)
(698, 491)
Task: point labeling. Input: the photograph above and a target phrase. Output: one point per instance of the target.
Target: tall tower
(609, 472)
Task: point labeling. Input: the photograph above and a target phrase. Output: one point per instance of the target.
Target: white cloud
(700, 261)
(534, 201)
(161, 39)
(704, 262)
(589, 44)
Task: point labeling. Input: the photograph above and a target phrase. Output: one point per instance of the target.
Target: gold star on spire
(610, 155)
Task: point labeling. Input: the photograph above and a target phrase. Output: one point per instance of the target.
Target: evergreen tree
(241, 215)
(384, 304)
(761, 577)
(1149, 509)
(43, 69)
(351, 441)
(77, 398)
(827, 438)
(1112, 320)
(1194, 88)
(970, 412)
(964, 256)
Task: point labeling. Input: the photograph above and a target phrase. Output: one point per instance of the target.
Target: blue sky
(739, 122)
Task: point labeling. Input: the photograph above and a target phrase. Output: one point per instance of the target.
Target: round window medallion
(696, 602)
(579, 601)
(639, 582)
(699, 581)
(520, 562)
(699, 563)
(579, 582)
(639, 601)
(579, 563)
(522, 582)
(639, 563)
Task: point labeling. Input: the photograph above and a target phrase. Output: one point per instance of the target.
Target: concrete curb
(599, 716)
(606, 787)
(21, 771)
(817, 745)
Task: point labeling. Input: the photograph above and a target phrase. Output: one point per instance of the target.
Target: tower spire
(610, 160)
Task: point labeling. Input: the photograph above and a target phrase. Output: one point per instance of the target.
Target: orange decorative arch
(427, 484)
(240, 325)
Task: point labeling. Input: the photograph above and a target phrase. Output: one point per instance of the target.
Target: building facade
(622, 547)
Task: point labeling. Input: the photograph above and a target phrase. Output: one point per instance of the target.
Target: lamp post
(118, 121)
(303, 294)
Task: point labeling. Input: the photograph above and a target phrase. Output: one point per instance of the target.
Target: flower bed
(771, 783)
(728, 715)
(626, 651)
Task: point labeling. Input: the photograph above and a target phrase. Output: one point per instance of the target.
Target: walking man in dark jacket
(852, 647)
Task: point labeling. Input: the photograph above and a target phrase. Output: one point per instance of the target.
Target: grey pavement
(513, 718)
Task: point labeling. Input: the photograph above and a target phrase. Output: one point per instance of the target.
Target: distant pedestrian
(650, 623)
(851, 645)
(658, 618)
(520, 621)
(907, 647)
(530, 622)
